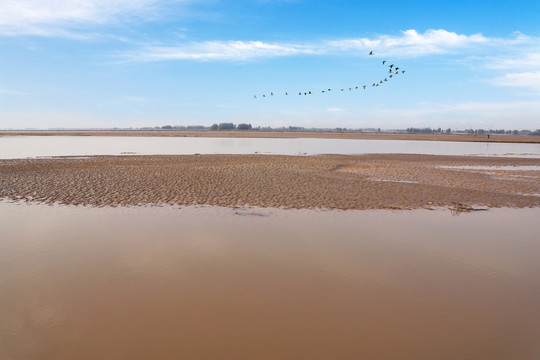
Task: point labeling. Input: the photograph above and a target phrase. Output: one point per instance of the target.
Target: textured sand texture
(328, 181)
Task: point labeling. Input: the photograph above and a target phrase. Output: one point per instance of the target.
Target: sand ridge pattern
(325, 181)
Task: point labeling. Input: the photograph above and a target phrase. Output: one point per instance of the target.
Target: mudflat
(284, 134)
(325, 181)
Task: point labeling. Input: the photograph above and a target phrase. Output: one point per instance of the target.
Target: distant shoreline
(498, 138)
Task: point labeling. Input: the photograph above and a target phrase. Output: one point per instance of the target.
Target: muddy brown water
(217, 283)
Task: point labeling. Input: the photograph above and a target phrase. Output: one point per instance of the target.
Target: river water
(216, 283)
(16, 147)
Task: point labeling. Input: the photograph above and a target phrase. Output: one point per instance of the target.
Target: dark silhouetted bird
(390, 76)
(391, 66)
(255, 96)
(271, 94)
(264, 95)
(364, 87)
(384, 62)
(385, 79)
(371, 53)
(286, 93)
(403, 71)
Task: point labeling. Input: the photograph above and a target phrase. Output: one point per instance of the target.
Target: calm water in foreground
(17, 147)
(215, 283)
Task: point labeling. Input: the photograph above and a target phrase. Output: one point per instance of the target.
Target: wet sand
(284, 134)
(217, 283)
(329, 182)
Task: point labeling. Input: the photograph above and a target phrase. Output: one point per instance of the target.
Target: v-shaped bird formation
(393, 71)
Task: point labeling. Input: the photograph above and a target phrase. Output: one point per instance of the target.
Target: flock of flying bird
(392, 72)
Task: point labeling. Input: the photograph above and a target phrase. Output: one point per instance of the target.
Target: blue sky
(132, 63)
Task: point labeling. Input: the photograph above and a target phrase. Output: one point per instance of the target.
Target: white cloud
(218, 50)
(412, 43)
(524, 79)
(409, 43)
(11, 92)
(60, 17)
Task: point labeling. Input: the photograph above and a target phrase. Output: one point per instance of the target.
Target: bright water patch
(19, 147)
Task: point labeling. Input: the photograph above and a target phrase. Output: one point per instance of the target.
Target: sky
(136, 63)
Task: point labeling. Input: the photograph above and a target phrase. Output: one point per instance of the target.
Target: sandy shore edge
(286, 134)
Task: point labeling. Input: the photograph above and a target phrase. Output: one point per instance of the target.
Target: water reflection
(35, 146)
(206, 283)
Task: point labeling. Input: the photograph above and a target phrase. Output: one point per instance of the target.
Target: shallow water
(17, 147)
(207, 283)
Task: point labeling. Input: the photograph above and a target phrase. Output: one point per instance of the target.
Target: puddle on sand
(206, 283)
(501, 168)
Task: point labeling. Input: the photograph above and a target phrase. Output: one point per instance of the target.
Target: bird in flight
(371, 53)
(384, 62)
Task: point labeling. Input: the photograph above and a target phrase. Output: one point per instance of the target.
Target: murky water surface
(17, 147)
(214, 283)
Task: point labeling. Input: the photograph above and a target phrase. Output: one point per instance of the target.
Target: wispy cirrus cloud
(409, 43)
(66, 18)
(529, 80)
(4, 91)
(219, 50)
(519, 67)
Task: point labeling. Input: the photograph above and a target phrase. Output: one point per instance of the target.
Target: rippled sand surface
(222, 283)
(331, 181)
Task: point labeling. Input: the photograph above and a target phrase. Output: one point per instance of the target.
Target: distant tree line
(472, 131)
(230, 126)
(499, 131)
(411, 130)
(428, 131)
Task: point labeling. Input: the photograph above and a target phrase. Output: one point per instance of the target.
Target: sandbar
(293, 182)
